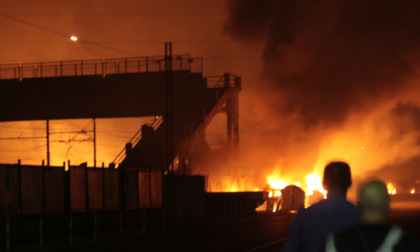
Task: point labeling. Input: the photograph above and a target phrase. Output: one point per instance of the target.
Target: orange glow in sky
(372, 130)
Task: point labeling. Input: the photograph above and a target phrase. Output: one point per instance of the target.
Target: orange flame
(412, 191)
(313, 183)
(276, 183)
(391, 189)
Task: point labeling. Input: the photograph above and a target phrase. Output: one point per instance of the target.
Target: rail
(226, 80)
(136, 138)
(99, 67)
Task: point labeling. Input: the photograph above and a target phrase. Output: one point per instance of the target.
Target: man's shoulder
(349, 240)
(331, 204)
(342, 212)
(408, 243)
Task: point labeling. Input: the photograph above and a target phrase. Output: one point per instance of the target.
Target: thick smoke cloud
(339, 79)
(328, 58)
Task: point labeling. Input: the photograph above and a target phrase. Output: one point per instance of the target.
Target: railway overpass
(126, 87)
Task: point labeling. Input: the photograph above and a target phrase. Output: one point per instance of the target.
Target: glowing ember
(412, 191)
(73, 38)
(391, 189)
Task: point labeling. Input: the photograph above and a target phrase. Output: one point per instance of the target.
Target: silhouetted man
(312, 225)
(373, 234)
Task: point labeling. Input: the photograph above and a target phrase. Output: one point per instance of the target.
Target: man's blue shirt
(312, 225)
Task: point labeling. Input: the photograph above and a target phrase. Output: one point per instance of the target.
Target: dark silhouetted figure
(373, 234)
(312, 225)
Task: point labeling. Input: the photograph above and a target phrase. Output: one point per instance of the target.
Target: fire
(412, 191)
(391, 189)
(73, 38)
(313, 183)
(228, 184)
(276, 183)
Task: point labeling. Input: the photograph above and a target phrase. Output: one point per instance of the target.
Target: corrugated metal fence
(31, 190)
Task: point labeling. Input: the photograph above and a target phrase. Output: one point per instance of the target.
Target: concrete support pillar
(232, 111)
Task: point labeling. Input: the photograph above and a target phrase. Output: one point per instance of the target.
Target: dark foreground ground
(262, 232)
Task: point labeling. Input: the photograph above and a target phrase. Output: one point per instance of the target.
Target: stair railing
(136, 138)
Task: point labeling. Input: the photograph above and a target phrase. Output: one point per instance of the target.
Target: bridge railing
(10, 71)
(99, 67)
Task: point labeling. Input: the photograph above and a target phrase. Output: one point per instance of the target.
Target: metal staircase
(137, 86)
(219, 90)
(135, 139)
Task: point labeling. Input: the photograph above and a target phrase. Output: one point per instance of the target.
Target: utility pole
(169, 107)
(94, 142)
(48, 142)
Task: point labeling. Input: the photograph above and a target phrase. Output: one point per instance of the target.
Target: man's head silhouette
(337, 177)
(374, 202)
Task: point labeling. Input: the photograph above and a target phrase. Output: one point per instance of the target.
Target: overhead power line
(34, 25)
(21, 138)
(107, 47)
(120, 13)
(65, 35)
(124, 42)
(73, 140)
(30, 148)
(83, 131)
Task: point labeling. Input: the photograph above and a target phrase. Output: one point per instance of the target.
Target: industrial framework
(145, 182)
(84, 89)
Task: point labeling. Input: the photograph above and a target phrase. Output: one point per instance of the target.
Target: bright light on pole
(73, 38)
